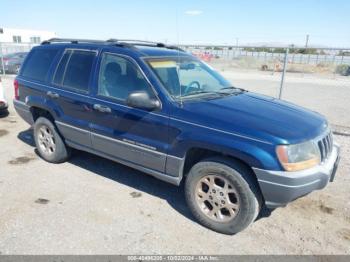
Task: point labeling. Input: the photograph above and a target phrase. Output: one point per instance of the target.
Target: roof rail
(71, 40)
(175, 48)
(112, 41)
(86, 41)
(148, 43)
(139, 42)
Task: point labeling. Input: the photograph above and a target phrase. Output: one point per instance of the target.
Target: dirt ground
(90, 205)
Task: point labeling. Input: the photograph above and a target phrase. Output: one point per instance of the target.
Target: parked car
(343, 69)
(3, 101)
(13, 62)
(204, 56)
(162, 111)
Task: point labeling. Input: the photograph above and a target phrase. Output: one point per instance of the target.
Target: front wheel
(222, 195)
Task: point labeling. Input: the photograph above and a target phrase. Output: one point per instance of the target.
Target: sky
(327, 22)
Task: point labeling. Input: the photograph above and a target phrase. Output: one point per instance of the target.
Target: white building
(11, 35)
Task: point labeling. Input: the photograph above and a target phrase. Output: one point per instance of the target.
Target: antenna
(178, 51)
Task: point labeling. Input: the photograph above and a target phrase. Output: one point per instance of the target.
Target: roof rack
(138, 42)
(148, 43)
(151, 44)
(77, 41)
(70, 40)
(112, 41)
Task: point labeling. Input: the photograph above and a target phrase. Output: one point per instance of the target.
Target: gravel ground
(90, 205)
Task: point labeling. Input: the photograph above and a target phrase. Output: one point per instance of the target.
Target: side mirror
(141, 99)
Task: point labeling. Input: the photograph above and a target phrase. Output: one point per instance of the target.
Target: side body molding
(75, 136)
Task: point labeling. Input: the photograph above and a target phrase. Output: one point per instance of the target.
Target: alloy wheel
(217, 198)
(46, 140)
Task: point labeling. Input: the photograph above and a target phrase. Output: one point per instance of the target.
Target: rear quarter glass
(38, 63)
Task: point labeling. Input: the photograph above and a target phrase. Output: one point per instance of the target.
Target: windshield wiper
(200, 92)
(217, 93)
(240, 90)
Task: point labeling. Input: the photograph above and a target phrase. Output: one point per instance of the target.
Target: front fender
(253, 153)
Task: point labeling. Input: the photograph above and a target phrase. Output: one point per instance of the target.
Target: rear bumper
(24, 111)
(281, 187)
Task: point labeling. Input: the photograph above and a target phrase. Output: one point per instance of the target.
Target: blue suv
(160, 110)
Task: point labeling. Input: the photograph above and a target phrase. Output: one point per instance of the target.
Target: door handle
(101, 108)
(52, 94)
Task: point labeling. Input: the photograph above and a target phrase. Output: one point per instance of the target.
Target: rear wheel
(48, 141)
(223, 195)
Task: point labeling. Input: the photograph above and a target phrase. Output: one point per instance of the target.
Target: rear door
(70, 94)
(33, 77)
(132, 135)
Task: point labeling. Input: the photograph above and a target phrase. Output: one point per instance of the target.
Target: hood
(257, 116)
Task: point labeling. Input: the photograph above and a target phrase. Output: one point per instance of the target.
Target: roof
(142, 48)
(158, 51)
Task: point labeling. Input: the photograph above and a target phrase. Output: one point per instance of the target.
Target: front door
(134, 136)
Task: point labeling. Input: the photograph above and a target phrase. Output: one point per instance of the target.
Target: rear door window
(74, 69)
(62, 68)
(38, 64)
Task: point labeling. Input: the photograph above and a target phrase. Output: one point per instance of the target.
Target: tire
(241, 205)
(4, 112)
(48, 141)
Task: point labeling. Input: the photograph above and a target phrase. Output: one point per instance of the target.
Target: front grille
(325, 145)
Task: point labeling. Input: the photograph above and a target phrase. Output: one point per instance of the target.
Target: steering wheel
(191, 87)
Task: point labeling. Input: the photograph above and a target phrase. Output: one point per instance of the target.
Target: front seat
(111, 78)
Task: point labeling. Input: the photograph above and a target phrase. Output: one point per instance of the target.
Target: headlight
(299, 156)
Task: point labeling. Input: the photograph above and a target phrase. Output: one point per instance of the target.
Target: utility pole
(237, 41)
(2, 60)
(307, 41)
(285, 64)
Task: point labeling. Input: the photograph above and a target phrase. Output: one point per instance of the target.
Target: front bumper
(281, 187)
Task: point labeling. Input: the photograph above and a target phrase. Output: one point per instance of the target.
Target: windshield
(187, 77)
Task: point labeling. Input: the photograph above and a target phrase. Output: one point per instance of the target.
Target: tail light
(16, 86)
